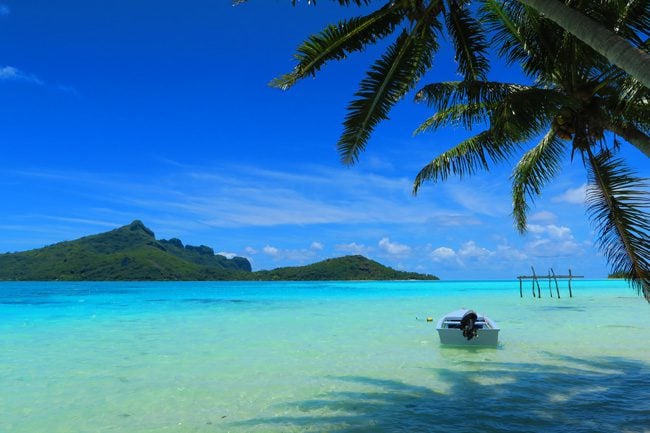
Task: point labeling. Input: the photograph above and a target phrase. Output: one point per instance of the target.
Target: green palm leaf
(394, 74)
(507, 22)
(466, 115)
(448, 93)
(518, 111)
(618, 202)
(335, 42)
(536, 168)
(527, 112)
(469, 41)
(466, 158)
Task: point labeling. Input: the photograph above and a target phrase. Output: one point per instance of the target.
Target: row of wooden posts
(551, 277)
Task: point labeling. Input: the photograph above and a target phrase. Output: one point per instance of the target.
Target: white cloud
(235, 196)
(557, 232)
(297, 256)
(469, 250)
(317, 246)
(393, 247)
(376, 163)
(271, 251)
(83, 221)
(354, 248)
(543, 217)
(250, 250)
(552, 241)
(9, 73)
(480, 199)
(227, 255)
(573, 195)
(471, 254)
(509, 253)
(442, 254)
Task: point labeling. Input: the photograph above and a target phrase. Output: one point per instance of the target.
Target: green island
(132, 253)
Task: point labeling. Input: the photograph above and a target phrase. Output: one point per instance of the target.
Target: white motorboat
(467, 328)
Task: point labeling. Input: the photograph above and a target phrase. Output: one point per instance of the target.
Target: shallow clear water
(319, 357)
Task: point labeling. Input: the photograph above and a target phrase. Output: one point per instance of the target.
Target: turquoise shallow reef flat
(319, 357)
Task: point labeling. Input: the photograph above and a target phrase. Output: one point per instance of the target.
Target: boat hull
(450, 329)
(454, 337)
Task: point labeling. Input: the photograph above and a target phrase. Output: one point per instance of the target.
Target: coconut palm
(418, 24)
(617, 50)
(579, 97)
(577, 104)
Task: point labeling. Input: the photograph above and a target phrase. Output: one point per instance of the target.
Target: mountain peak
(138, 225)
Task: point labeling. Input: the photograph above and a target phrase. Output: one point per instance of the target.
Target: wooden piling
(557, 287)
(535, 280)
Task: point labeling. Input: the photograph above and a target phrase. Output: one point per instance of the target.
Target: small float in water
(467, 328)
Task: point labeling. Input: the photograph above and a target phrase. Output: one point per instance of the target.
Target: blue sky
(114, 111)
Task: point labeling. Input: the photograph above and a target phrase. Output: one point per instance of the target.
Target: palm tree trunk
(616, 49)
(632, 135)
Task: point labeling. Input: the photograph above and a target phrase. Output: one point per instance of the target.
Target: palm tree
(577, 103)
(578, 97)
(617, 50)
(418, 24)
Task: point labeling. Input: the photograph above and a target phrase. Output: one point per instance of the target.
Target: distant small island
(132, 253)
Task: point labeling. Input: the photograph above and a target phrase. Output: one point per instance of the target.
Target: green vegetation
(342, 268)
(133, 253)
(127, 253)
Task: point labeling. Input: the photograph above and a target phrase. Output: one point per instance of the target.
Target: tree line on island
(132, 253)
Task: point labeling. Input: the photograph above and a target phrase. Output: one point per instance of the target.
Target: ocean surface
(319, 357)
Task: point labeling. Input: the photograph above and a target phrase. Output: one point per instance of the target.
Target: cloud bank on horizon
(279, 218)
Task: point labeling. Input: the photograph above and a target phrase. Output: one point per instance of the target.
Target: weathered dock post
(535, 280)
(557, 287)
(551, 274)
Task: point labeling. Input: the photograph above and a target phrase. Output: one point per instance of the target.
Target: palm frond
(506, 21)
(617, 202)
(466, 158)
(335, 42)
(469, 41)
(544, 50)
(466, 115)
(535, 169)
(394, 74)
(528, 112)
(627, 18)
(449, 93)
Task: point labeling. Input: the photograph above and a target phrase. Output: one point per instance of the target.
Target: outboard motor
(468, 324)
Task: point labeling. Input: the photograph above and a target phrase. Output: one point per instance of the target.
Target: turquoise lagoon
(319, 357)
